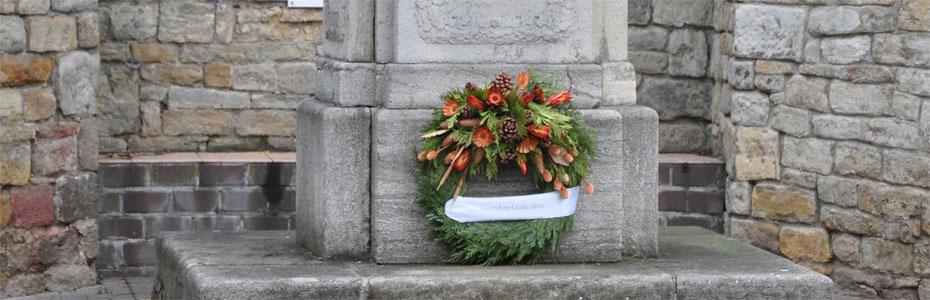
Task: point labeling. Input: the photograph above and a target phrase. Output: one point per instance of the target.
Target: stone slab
(419, 85)
(640, 180)
(400, 233)
(694, 263)
(347, 84)
(545, 32)
(349, 30)
(333, 179)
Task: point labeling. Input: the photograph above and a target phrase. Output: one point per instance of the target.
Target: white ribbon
(526, 207)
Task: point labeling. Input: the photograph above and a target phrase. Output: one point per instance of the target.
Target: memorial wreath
(482, 128)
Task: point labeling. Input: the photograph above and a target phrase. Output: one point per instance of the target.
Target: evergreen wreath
(483, 128)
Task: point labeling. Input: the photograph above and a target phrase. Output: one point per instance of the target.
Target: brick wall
(670, 43)
(144, 198)
(824, 122)
(48, 145)
(197, 75)
(691, 191)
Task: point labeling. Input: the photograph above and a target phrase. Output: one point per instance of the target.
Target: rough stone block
(687, 52)
(51, 33)
(172, 74)
(75, 83)
(54, 155)
(678, 13)
(184, 21)
(914, 15)
(400, 233)
(88, 30)
(836, 20)
(857, 159)
(13, 31)
(682, 137)
(790, 120)
(740, 74)
(750, 109)
(838, 127)
(652, 38)
(914, 81)
(40, 104)
(546, 32)
(182, 98)
(419, 85)
(784, 203)
(756, 233)
(882, 255)
(805, 243)
(333, 180)
(17, 70)
(757, 154)
(768, 32)
(73, 5)
(197, 122)
(673, 97)
(296, 77)
(76, 197)
(738, 197)
(266, 123)
(846, 50)
(133, 21)
(847, 98)
(807, 93)
(810, 154)
(892, 132)
(640, 182)
(649, 62)
(906, 167)
(33, 206)
(619, 84)
(257, 77)
(639, 12)
(11, 103)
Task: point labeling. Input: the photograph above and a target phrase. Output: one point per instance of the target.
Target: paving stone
(183, 22)
(785, 203)
(728, 260)
(333, 165)
(770, 32)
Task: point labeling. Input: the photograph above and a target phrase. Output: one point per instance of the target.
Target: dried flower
(521, 163)
(538, 94)
(475, 102)
(450, 108)
(588, 187)
(526, 98)
(482, 137)
(462, 162)
(540, 132)
(495, 96)
(527, 145)
(523, 80)
(560, 98)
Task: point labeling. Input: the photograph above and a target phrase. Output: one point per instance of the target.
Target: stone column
(384, 63)
(48, 145)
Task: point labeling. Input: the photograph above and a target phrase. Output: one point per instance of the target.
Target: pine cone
(508, 130)
(468, 112)
(545, 143)
(507, 156)
(529, 116)
(471, 86)
(503, 82)
(469, 123)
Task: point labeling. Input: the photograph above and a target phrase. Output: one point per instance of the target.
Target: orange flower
(451, 108)
(523, 80)
(540, 132)
(560, 98)
(527, 98)
(521, 163)
(539, 94)
(527, 145)
(482, 137)
(462, 162)
(475, 102)
(495, 96)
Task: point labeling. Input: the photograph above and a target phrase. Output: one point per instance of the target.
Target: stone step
(693, 263)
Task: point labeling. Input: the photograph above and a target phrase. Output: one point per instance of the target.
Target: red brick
(696, 174)
(120, 227)
(33, 206)
(265, 222)
(222, 175)
(673, 201)
(146, 201)
(139, 254)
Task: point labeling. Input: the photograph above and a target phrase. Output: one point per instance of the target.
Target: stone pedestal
(386, 62)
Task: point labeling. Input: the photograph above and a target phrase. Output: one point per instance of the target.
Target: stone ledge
(205, 157)
(692, 263)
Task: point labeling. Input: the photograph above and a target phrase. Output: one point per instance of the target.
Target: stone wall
(48, 145)
(691, 191)
(824, 123)
(184, 75)
(670, 46)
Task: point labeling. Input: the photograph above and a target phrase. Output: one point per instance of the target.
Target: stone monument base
(693, 263)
